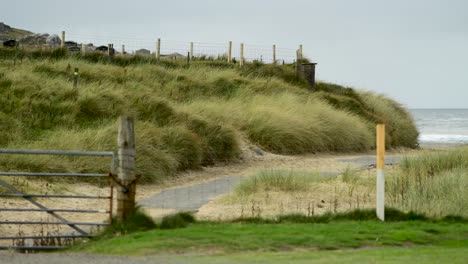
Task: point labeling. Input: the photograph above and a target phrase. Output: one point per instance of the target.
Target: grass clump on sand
(278, 180)
(188, 116)
(434, 183)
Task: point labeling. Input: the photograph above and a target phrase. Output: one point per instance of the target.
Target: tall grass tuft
(432, 183)
(278, 180)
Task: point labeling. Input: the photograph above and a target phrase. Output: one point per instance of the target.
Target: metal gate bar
(51, 223)
(54, 196)
(53, 212)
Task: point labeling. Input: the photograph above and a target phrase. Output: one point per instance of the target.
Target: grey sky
(412, 50)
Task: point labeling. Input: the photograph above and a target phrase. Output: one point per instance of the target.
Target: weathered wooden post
(229, 55)
(158, 49)
(83, 49)
(126, 173)
(308, 72)
(274, 54)
(75, 78)
(241, 58)
(300, 49)
(380, 181)
(298, 63)
(188, 58)
(191, 50)
(110, 51)
(62, 43)
(123, 50)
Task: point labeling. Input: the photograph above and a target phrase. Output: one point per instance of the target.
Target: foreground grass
(241, 237)
(418, 254)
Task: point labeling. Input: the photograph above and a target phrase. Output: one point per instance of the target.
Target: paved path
(191, 198)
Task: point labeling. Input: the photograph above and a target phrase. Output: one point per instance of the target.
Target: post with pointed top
(241, 58)
(380, 181)
(126, 173)
(158, 49)
(274, 54)
(229, 55)
(62, 43)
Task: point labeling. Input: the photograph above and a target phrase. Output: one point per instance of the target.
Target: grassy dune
(188, 116)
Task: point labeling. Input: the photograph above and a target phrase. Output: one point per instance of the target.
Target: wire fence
(170, 48)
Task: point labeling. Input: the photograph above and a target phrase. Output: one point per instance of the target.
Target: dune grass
(434, 183)
(431, 183)
(279, 180)
(188, 116)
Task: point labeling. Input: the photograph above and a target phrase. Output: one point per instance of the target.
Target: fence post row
(111, 52)
(126, 175)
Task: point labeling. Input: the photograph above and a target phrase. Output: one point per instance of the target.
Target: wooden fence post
(62, 43)
(158, 49)
(274, 54)
(123, 49)
(380, 181)
(75, 79)
(300, 49)
(241, 58)
(229, 58)
(126, 173)
(191, 50)
(83, 49)
(298, 63)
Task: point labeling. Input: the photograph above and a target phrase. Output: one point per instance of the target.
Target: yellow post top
(380, 144)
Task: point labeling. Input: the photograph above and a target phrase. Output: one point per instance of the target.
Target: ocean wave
(443, 138)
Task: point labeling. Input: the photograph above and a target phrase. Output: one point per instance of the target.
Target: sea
(441, 126)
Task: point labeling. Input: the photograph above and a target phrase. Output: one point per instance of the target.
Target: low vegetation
(434, 183)
(188, 116)
(353, 230)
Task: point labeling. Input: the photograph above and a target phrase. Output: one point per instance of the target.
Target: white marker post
(380, 191)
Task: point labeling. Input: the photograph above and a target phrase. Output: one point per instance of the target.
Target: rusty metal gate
(45, 240)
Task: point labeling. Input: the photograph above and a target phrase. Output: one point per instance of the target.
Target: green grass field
(249, 242)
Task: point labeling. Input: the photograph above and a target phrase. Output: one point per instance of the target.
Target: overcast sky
(415, 51)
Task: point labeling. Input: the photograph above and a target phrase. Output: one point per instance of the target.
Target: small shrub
(179, 220)
(136, 222)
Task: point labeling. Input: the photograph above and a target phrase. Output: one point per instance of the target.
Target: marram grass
(188, 116)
